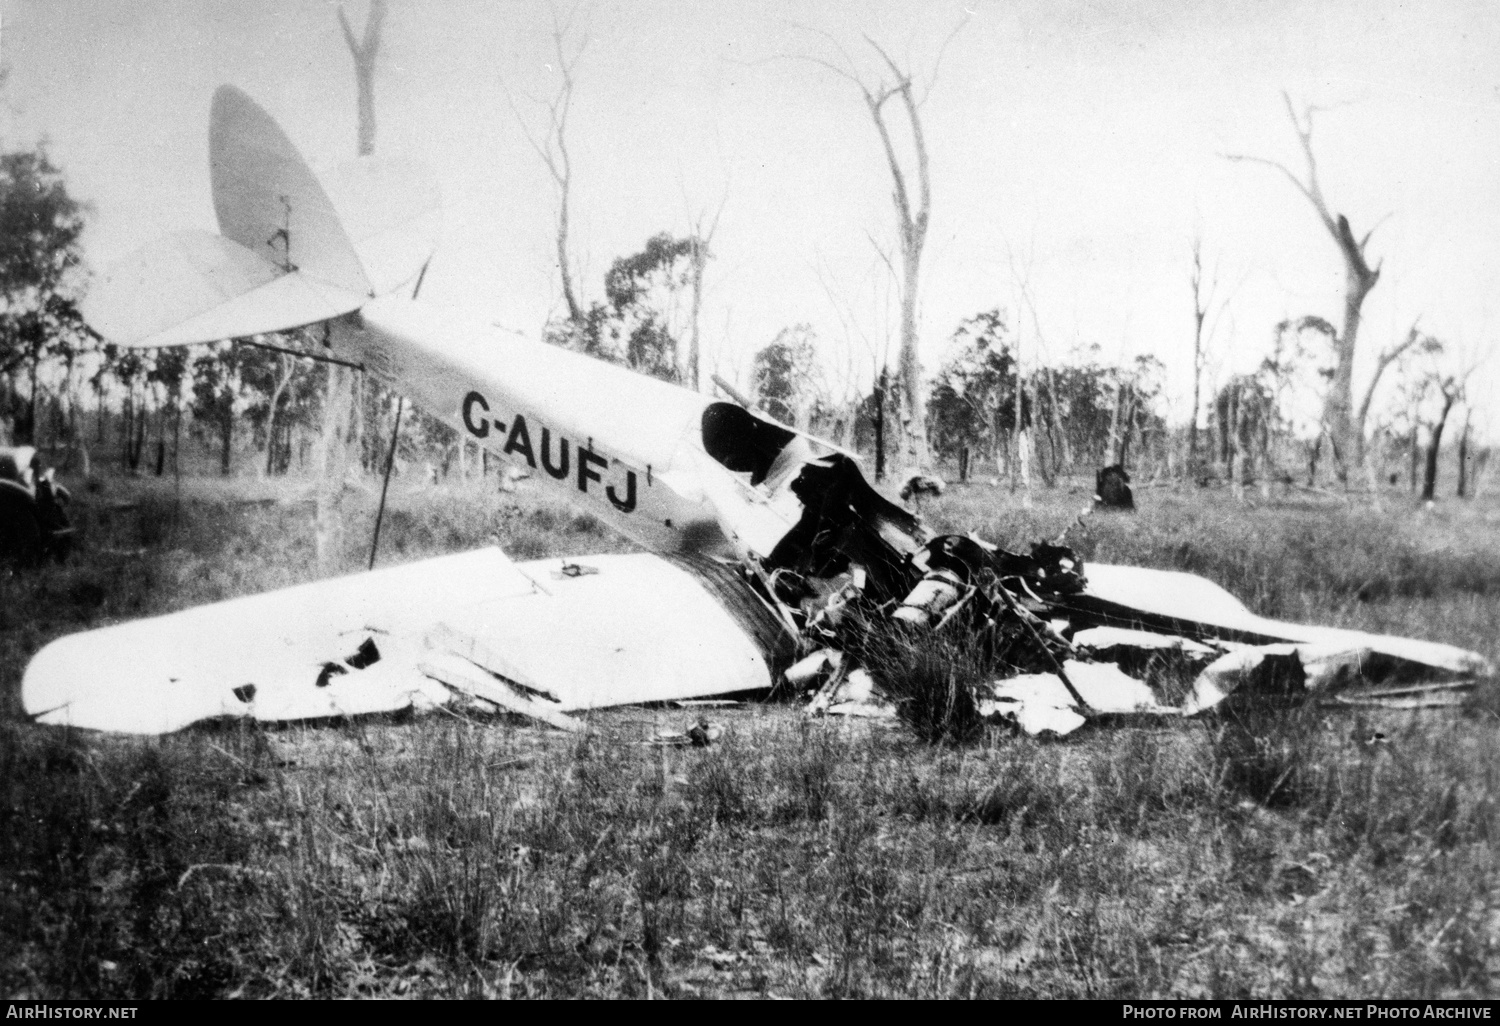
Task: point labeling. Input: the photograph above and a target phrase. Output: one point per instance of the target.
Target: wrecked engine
(950, 631)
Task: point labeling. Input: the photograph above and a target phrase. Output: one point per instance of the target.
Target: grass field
(1276, 854)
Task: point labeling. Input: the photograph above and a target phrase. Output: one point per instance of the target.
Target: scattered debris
(777, 546)
(852, 694)
(837, 594)
(700, 735)
(1046, 647)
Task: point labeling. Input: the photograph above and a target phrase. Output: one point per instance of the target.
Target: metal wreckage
(771, 565)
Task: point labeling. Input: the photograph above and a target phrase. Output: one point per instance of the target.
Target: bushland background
(1299, 852)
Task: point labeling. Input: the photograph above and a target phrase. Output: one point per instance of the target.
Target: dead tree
(363, 52)
(1388, 356)
(1450, 390)
(1359, 278)
(911, 227)
(552, 147)
(1207, 308)
(1463, 453)
(698, 254)
(911, 196)
(1057, 433)
(338, 412)
(286, 366)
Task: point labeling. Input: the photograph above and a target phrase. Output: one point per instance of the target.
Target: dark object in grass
(1112, 489)
(919, 485)
(34, 524)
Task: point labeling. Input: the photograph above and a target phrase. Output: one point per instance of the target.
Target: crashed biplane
(770, 546)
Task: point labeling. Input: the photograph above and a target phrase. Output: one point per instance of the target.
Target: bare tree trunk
(1463, 455)
(1064, 462)
(1200, 314)
(363, 52)
(1015, 432)
(33, 437)
(1023, 460)
(333, 466)
(226, 443)
(698, 256)
(1372, 480)
(911, 226)
(1416, 455)
(552, 147)
(286, 367)
(1476, 473)
(1387, 356)
(1264, 442)
(1113, 454)
(1023, 442)
(1237, 448)
(1429, 478)
(1345, 433)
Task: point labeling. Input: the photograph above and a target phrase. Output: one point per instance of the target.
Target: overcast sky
(1076, 147)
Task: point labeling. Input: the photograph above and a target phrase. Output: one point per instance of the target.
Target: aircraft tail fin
(289, 254)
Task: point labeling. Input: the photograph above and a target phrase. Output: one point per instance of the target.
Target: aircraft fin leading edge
(288, 254)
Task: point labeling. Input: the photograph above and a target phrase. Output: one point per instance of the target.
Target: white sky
(1074, 143)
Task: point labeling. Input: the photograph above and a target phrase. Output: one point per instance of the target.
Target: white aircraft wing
(546, 638)
(1187, 598)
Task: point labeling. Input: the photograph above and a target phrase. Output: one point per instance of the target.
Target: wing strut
(390, 461)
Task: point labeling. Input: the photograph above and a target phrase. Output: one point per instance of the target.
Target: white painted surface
(1189, 597)
(638, 630)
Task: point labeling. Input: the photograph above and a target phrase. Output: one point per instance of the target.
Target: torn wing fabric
(1040, 703)
(526, 637)
(1196, 608)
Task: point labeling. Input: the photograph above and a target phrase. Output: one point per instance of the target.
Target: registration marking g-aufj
(479, 422)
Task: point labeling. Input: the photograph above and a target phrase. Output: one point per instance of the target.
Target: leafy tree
(282, 394)
(217, 397)
(643, 292)
(166, 375)
(1084, 395)
(1100, 407)
(973, 397)
(1245, 411)
(787, 378)
(40, 225)
(642, 321)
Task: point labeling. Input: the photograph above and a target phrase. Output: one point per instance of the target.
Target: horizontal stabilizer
(290, 254)
(193, 286)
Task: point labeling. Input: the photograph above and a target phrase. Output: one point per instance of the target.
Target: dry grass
(1277, 854)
